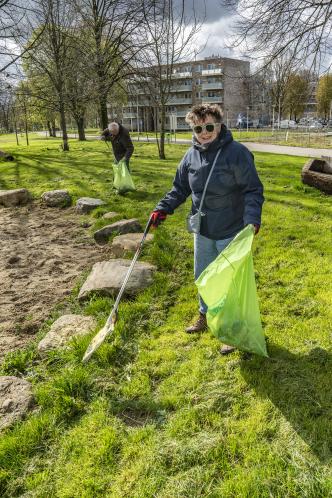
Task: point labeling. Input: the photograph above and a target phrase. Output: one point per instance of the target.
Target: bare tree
(18, 20)
(270, 28)
(113, 38)
(79, 82)
(50, 56)
(281, 70)
(6, 104)
(169, 40)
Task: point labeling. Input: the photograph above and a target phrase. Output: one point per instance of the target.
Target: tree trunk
(65, 144)
(103, 112)
(6, 122)
(53, 129)
(49, 128)
(26, 124)
(80, 128)
(162, 133)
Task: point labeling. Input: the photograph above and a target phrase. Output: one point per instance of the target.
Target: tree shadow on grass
(299, 385)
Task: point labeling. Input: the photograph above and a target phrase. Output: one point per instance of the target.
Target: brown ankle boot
(226, 349)
(199, 326)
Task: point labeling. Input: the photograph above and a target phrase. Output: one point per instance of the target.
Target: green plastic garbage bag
(123, 181)
(228, 288)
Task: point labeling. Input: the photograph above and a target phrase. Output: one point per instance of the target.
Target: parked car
(243, 122)
(303, 123)
(315, 125)
(287, 123)
(256, 123)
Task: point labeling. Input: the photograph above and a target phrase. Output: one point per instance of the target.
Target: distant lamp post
(272, 120)
(227, 118)
(247, 119)
(137, 117)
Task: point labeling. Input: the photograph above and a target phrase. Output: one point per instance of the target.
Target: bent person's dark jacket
(234, 195)
(121, 144)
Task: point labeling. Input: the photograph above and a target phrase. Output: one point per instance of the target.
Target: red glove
(157, 217)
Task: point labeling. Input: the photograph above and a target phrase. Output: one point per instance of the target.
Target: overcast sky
(215, 35)
(216, 30)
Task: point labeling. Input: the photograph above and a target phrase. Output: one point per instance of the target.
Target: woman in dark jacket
(233, 198)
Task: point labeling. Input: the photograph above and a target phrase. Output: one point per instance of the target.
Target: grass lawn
(156, 412)
(296, 138)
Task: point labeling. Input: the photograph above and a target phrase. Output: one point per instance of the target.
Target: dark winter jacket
(121, 144)
(234, 194)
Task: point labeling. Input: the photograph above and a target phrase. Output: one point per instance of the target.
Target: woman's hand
(157, 217)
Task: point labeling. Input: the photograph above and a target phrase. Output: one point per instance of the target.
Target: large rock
(56, 198)
(121, 227)
(16, 399)
(10, 198)
(107, 277)
(128, 242)
(64, 329)
(85, 205)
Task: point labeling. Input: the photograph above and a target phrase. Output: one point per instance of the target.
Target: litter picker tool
(111, 320)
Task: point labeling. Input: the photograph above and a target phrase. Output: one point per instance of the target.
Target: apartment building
(214, 79)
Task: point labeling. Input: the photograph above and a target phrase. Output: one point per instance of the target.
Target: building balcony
(140, 103)
(181, 88)
(182, 114)
(210, 72)
(181, 75)
(182, 126)
(210, 100)
(129, 115)
(178, 101)
(136, 91)
(213, 86)
(179, 114)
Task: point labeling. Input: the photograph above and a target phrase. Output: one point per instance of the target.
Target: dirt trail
(42, 252)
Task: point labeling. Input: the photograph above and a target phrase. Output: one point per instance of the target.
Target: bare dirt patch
(42, 253)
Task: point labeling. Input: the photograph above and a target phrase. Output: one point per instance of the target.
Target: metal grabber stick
(112, 318)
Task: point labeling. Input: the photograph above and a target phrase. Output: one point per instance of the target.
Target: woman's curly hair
(201, 111)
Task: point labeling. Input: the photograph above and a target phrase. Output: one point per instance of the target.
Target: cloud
(215, 38)
(208, 10)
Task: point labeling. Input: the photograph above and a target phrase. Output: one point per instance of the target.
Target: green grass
(156, 412)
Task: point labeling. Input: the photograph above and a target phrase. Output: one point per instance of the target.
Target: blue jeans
(205, 251)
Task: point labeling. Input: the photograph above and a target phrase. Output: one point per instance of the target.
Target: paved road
(274, 149)
(286, 149)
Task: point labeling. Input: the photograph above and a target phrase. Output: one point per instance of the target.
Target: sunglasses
(209, 127)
